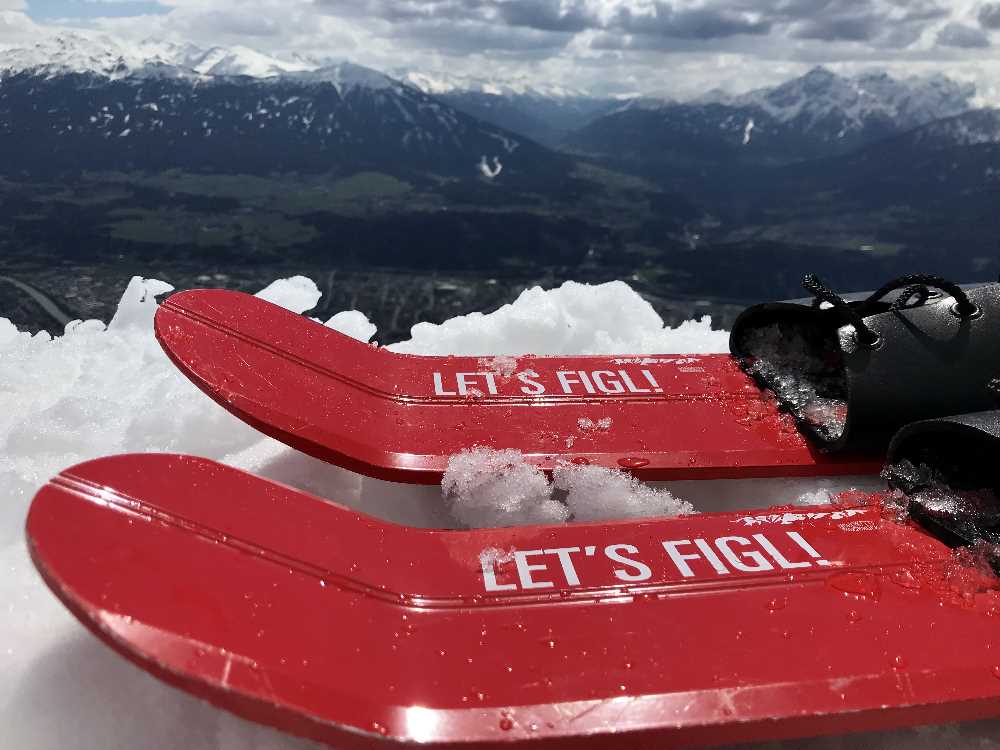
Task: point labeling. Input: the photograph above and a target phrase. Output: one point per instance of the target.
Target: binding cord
(915, 287)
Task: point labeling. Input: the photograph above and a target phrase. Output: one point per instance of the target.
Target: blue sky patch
(47, 10)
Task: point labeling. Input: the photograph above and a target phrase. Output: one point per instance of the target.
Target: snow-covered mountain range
(450, 119)
(813, 97)
(103, 54)
(821, 96)
(82, 101)
(817, 115)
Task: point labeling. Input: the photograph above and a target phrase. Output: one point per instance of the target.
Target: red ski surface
(297, 613)
(399, 417)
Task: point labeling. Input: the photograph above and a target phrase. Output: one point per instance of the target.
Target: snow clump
(806, 375)
(573, 319)
(487, 488)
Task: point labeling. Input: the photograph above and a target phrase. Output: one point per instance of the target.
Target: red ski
(393, 416)
(294, 612)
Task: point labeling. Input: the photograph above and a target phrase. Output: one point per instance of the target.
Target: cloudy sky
(675, 47)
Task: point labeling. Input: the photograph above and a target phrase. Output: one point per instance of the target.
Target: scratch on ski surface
(255, 371)
(228, 667)
(904, 683)
(625, 703)
(114, 624)
(589, 710)
(214, 309)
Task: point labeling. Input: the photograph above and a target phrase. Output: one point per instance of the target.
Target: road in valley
(45, 302)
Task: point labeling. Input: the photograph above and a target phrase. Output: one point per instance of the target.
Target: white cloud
(15, 27)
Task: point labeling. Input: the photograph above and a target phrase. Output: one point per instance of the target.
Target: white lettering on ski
(691, 558)
(567, 382)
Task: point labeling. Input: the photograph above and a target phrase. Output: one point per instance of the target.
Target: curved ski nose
(401, 417)
(167, 559)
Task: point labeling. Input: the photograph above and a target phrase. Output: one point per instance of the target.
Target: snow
(237, 61)
(504, 366)
(83, 51)
(486, 488)
(499, 488)
(97, 390)
(437, 83)
(821, 95)
(490, 171)
(589, 425)
(593, 493)
(354, 324)
(807, 376)
(345, 76)
(297, 294)
(971, 129)
(509, 144)
(573, 319)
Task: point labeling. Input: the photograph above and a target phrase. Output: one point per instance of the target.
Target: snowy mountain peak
(236, 61)
(100, 54)
(105, 56)
(72, 53)
(438, 83)
(822, 96)
(819, 76)
(346, 76)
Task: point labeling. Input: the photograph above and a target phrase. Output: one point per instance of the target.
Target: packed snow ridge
(101, 389)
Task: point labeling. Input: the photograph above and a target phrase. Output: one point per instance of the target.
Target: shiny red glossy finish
(400, 417)
(297, 613)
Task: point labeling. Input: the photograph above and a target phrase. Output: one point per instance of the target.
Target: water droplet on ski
(905, 578)
(633, 463)
(859, 584)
